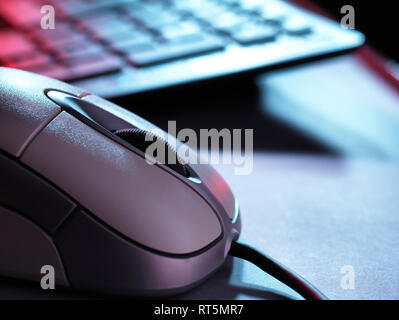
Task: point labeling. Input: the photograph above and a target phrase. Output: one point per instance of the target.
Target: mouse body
(76, 196)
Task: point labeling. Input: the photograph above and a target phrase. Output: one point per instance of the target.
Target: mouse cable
(276, 270)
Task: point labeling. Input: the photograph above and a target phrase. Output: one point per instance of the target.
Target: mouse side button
(21, 120)
(25, 249)
(30, 195)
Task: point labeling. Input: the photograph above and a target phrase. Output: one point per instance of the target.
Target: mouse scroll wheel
(137, 138)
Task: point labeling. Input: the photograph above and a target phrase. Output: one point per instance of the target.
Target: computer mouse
(77, 194)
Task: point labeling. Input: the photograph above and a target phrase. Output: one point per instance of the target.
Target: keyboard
(117, 48)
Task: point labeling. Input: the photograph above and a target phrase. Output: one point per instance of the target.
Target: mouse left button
(20, 122)
(21, 118)
(25, 249)
(25, 108)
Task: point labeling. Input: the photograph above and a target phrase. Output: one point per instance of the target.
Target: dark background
(378, 20)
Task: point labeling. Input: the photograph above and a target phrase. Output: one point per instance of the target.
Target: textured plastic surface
(99, 259)
(142, 201)
(217, 188)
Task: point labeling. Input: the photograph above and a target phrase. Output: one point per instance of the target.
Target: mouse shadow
(227, 284)
(17, 289)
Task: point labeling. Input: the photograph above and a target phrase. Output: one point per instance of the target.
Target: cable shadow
(220, 287)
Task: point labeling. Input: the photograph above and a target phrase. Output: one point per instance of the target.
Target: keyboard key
(272, 11)
(109, 27)
(21, 13)
(155, 19)
(251, 33)
(94, 67)
(177, 30)
(34, 62)
(128, 36)
(80, 51)
(251, 4)
(189, 5)
(76, 47)
(134, 46)
(62, 32)
(176, 51)
(99, 16)
(232, 3)
(189, 38)
(14, 45)
(296, 26)
(81, 8)
(62, 44)
(211, 13)
(56, 71)
(227, 20)
(143, 8)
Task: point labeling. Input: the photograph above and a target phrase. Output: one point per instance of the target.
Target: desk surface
(316, 215)
(313, 214)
